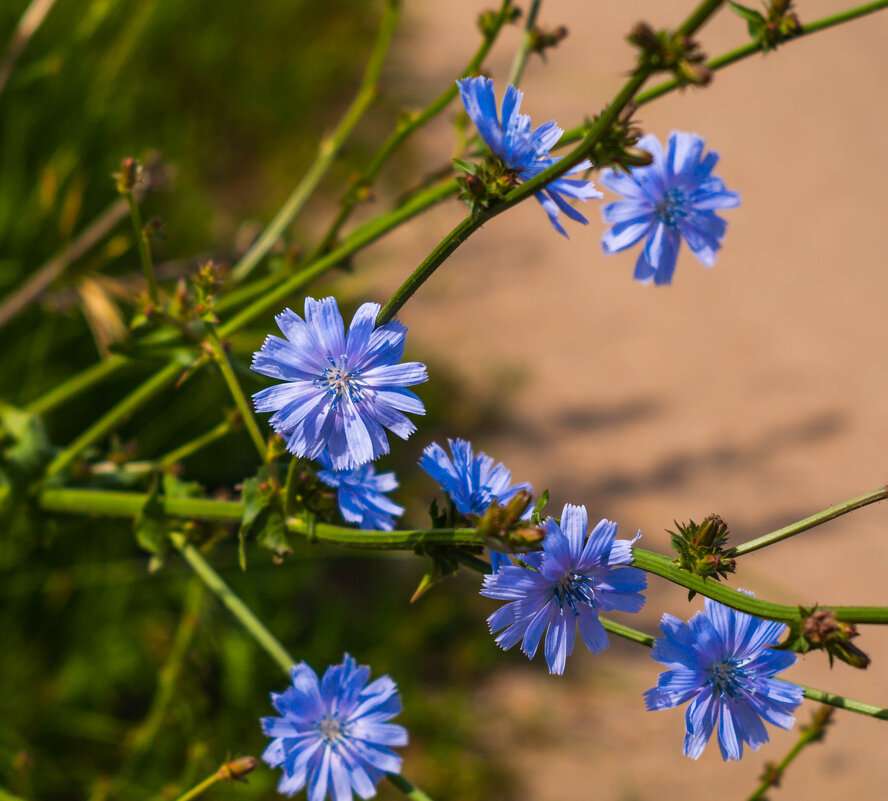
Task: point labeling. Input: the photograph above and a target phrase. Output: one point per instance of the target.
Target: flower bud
(237, 769)
(128, 176)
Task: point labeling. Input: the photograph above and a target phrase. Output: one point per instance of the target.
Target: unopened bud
(644, 36)
(128, 176)
(636, 157)
(526, 538)
(712, 530)
(237, 769)
(697, 74)
(516, 507)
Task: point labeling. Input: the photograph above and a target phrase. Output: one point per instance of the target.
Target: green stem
(142, 245)
(277, 291)
(702, 13)
(527, 38)
(197, 444)
(201, 788)
(233, 603)
(77, 384)
(410, 790)
(824, 697)
(814, 520)
(114, 503)
(409, 125)
(237, 392)
(112, 418)
(811, 733)
(328, 149)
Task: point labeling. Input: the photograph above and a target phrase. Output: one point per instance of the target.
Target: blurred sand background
(755, 390)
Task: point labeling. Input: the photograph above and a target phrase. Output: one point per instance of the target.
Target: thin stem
(114, 503)
(327, 150)
(814, 520)
(144, 249)
(405, 128)
(200, 789)
(237, 392)
(77, 384)
(233, 603)
(410, 790)
(527, 38)
(197, 444)
(370, 232)
(112, 418)
(811, 733)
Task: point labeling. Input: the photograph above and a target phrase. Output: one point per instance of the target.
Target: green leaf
(749, 14)
(536, 515)
(150, 526)
(263, 518)
(466, 166)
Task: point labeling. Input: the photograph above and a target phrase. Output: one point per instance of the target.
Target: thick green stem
(234, 604)
(237, 392)
(699, 16)
(811, 733)
(824, 697)
(814, 520)
(127, 504)
(116, 415)
(328, 149)
(142, 245)
(408, 125)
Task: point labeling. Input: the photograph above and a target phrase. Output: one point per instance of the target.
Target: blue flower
(360, 494)
(567, 583)
(471, 482)
(333, 734)
(673, 198)
(720, 659)
(523, 151)
(339, 392)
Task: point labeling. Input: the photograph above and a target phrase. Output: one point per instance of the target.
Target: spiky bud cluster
(776, 25)
(663, 51)
(702, 550)
(503, 529)
(616, 147)
(486, 184)
(818, 629)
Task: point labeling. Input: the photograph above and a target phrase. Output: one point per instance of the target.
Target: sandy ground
(755, 389)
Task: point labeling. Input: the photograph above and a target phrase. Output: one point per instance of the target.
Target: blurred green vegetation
(234, 97)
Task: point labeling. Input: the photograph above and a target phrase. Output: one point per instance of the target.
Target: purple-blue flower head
(471, 482)
(673, 198)
(564, 588)
(524, 151)
(360, 492)
(721, 662)
(333, 734)
(340, 392)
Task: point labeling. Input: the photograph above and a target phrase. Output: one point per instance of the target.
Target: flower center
(340, 382)
(671, 206)
(730, 677)
(575, 590)
(331, 728)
